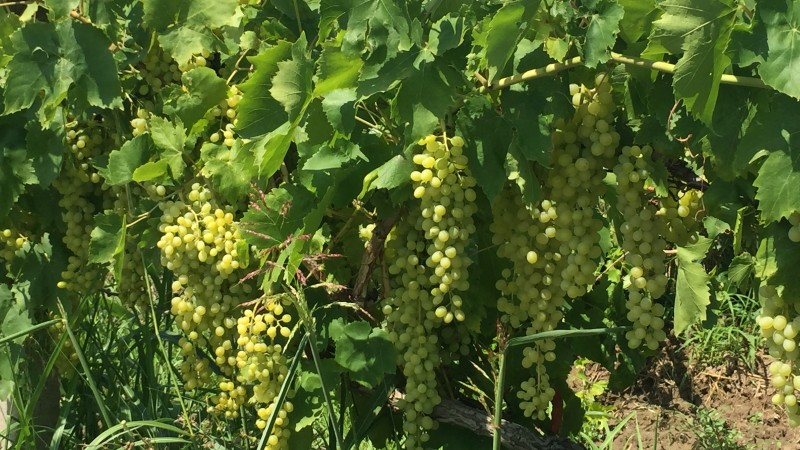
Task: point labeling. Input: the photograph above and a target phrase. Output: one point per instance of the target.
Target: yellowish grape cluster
(779, 323)
(639, 238)
(200, 245)
(225, 113)
(681, 217)
(411, 321)
(196, 60)
(10, 242)
(581, 148)
(139, 123)
(158, 70)
(77, 210)
(531, 292)
(84, 141)
(444, 186)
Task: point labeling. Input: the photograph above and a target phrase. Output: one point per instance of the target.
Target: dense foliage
(275, 222)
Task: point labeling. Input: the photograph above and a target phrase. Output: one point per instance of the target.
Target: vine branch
(554, 68)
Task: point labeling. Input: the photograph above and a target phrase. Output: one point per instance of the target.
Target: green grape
(639, 237)
(779, 323)
(10, 242)
(681, 217)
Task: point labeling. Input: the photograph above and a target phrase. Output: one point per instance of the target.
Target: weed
(713, 433)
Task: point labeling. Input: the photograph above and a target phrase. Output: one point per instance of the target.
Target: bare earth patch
(670, 392)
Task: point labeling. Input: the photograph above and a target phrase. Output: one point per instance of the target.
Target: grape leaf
(446, 34)
(123, 162)
(390, 175)
(701, 31)
(95, 71)
(152, 170)
(60, 9)
(602, 32)
(334, 155)
(503, 33)
(638, 19)
(423, 99)
(260, 114)
(782, 20)
(37, 68)
(777, 260)
(230, 169)
(487, 139)
(45, 150)
(774, 133)
(340, 109)
(692, 294)
(336, 70)
(107, 239)
(169, 139)
(741, 269)
(374, 25)
(366, 352)
(16, 170)
(183, 42)
(204, 90)
(195, 13)
(291, 85)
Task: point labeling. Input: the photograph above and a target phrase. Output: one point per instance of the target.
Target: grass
(713, 433)
(730, 338)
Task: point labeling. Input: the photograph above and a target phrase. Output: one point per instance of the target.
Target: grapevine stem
(554, 68)
(499, 389)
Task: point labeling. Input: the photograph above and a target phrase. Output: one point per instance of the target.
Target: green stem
(36, 327)
(328, 404)
(499, 389)
(660, 66)
(85, 365)
(172, 378)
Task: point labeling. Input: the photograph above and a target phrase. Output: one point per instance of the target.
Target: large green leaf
(774, 133)
(258, 113)
(291, 85)
(204, 90)
(336, 70)
(107, 239)
(231, 169)
(638, 18)
(602, 32)
(700, 31)
(45, 150)
(375, 26)
(777, 260)
(782, 20)
(37, 68)
(123, 162)
(487, 138)
(504, 31)
(423, 99)
(366, 352)
(692, 294)
(169, 140)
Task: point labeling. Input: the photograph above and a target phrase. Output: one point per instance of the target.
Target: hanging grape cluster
(429, 261)
(682, 216)
(225, 114)
(779, 323)
(639, 238)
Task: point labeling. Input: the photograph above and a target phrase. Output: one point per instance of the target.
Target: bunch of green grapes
(639, 238)
(200, 244)
(139, 123)
(411, 320)
(157, 70)
(10, 242)
(444, 187)
(581, 149)
(258, 368)
(681, 217)
(779, 323)
(794, 231)
(196, 60)
(225, 114)
(531, 290)
(84, 142)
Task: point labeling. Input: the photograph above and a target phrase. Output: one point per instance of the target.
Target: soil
(670, 392)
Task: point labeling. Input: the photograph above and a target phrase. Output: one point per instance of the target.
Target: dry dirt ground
(670, 391)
